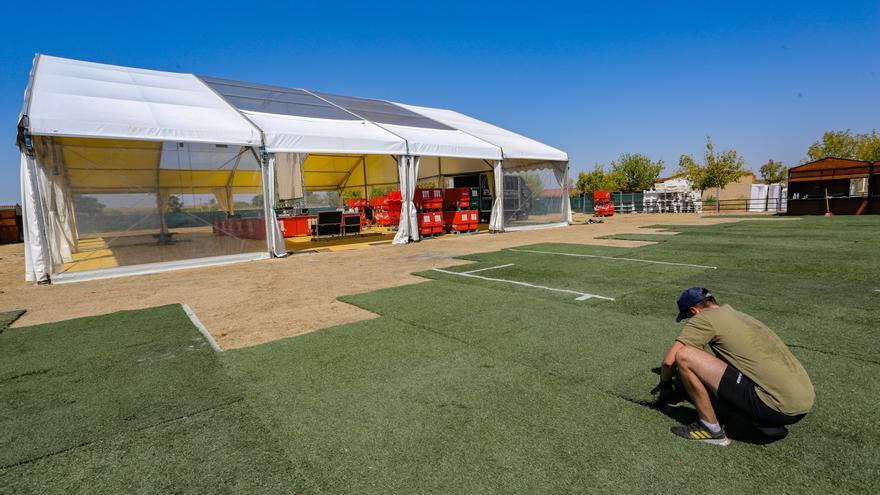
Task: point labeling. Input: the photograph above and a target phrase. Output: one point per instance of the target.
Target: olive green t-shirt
(747, 344)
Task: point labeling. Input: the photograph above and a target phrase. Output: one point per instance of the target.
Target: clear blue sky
(766, 78)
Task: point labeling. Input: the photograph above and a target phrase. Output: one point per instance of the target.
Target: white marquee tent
(155, 148)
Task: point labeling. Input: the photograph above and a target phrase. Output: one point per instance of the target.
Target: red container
(430, 222)
(457, 198)
(602, 205)
(438, 222)
(456, 221)
(356, 203)
(473, 217)
(377, 202)
(394, 197)
(428, 199)
(426, 223)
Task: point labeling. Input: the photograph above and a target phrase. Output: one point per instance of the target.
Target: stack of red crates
(458, 217)
(386, 209)
(241, 228)
(429, 203)
(359, 205)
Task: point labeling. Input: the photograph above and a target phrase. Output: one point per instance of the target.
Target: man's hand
(666, 393)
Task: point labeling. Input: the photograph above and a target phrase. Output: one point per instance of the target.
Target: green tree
(257, 201)
(845, 144)
(379, 191)
(773, 172)
(535, 184)
(175, 204)
(599, 180)
(718, 169)
(87, 205)
(638, 171)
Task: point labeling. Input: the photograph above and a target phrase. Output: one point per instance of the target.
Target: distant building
(843, 186)
(10, 224)
(735, 190)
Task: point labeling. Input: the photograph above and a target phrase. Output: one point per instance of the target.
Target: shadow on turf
(737, 426)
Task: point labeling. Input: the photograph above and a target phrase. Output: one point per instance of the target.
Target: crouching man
(751, 369)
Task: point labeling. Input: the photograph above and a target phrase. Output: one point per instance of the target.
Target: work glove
(667, 393)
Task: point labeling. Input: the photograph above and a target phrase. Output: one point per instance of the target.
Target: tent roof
(84, 99)
(295, 120)
(299, 120)
(513, 145)
(424, 135)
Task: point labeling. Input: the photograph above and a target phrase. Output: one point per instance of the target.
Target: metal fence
(634, 203)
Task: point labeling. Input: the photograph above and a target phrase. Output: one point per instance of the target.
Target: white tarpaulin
(513, 145)
(408, 229)
(496, 222)
(123, 155)
(288, 133)
(37, 263)
(424, 136)
(85, 99)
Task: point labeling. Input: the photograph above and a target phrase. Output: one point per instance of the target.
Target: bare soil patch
(251, 303)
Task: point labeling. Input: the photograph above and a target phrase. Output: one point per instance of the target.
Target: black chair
(352, 225)
(328, 223)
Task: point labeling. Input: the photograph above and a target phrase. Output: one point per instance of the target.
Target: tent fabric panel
(285, 133)
(140, 181)
(207, 179)
(85, 99)
(445, 143)
(277, 100)
(513, 144)
(109, 154)
(347, 171)
(288, 170)
(37, 263)
(383, 112)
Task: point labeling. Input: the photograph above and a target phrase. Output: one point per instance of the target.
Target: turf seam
(135, 430)
(581, 383)
(835, 354)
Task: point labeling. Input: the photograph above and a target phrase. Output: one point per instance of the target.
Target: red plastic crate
(430, 223)
(356, 203)
(428, 199)
(426, 223)
(457, 197)
(377, 202)
(394, 196)
(438, 222)
(456, 221)
(473, 220)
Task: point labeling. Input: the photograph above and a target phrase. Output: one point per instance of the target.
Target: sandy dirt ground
(250, 303)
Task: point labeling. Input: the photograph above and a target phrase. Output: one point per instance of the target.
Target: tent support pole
(364, 163)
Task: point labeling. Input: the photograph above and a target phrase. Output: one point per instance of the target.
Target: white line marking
(204, 331)
(582, 296)
(612, 258)
(490, 268)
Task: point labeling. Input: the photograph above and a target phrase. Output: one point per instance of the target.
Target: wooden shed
(10, 224)
(843, 186)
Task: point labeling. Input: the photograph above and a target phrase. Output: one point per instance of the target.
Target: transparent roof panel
(275, 99)
(383, 112)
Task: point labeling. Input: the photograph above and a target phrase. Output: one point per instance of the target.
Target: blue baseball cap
(689, 298)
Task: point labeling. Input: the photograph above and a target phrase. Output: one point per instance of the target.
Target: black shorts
(737, 389)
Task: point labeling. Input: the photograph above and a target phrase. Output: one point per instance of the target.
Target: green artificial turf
(131, 402)
(8, 318)
(463, 385)
(475, 386)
